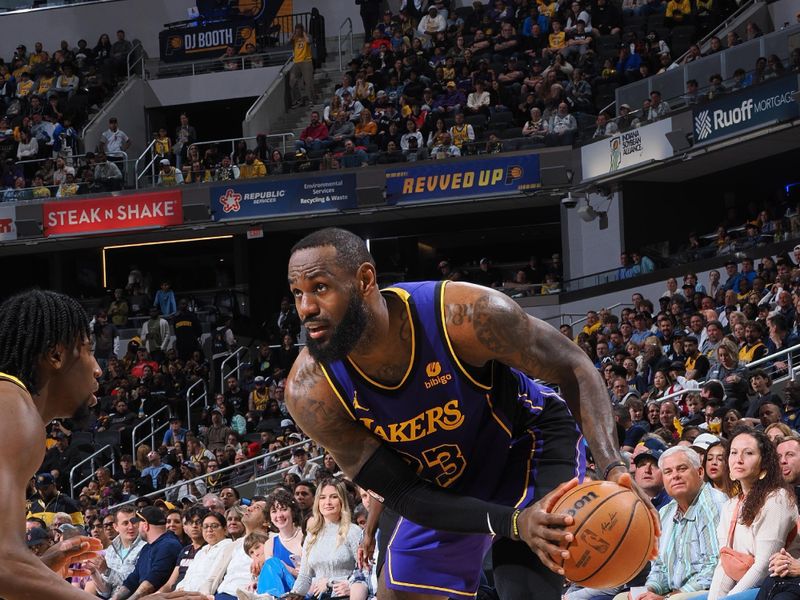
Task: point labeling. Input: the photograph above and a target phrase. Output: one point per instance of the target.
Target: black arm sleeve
(388, 475)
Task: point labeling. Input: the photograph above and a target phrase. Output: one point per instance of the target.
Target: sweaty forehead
(310, 263)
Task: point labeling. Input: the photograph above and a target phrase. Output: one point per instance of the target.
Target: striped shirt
(688, 550)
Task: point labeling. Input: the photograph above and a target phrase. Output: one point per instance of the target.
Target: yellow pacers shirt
(302, 49)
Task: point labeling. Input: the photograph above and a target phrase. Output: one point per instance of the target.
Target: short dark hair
(351, 250)
(31, 324)
(235, 491)
(283, 498)
(197, 511)
(760, 373)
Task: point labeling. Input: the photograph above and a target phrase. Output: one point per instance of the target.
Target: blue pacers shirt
(476, 435)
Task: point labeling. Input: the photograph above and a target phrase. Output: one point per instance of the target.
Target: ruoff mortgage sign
(768, 102)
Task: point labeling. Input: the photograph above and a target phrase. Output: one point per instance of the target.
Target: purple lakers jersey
(475, 433)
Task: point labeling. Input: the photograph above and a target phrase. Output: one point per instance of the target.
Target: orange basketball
(613, 534)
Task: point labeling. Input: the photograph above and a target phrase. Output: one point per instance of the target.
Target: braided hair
(31, 324)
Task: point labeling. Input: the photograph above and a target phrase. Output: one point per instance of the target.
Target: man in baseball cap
(647, 474)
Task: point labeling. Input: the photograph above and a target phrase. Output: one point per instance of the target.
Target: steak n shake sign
(756, 105)
(115, 213)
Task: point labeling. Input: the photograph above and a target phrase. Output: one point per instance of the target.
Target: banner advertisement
(768, 102)
(116, 213)
(8, 225)
(449, 180)
(207, 41)
(628, 149)
(239, 200)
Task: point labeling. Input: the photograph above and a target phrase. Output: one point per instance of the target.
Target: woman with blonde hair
(366, 128)
(728, 369)
(142, 461)
(778, 432)
(330, 111)
(331, 547)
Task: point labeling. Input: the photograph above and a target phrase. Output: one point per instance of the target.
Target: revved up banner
(272, 198)
(450, 180)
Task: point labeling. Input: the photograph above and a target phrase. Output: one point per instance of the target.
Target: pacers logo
(434, 371)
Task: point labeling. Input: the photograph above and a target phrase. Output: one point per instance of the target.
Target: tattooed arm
(373, 466)
(485, 325)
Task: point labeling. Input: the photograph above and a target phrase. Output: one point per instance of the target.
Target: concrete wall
(783, 11)
(587, 249)
(141, 19)
(128, 107)
(211, 86)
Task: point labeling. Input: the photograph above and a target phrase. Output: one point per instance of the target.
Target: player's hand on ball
(60, 556)
(623, 478)
(544, 532)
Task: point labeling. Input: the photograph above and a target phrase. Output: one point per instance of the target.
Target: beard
(344, 336)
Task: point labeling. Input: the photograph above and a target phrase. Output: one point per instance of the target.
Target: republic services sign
(115, 213)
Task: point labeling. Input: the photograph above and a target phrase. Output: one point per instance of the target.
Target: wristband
(515, 525)
(614, 465)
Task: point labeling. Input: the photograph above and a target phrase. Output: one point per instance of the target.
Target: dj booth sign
(206, 41)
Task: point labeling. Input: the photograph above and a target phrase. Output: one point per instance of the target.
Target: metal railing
(191, 403)
(146, 163)
(91, 459)
(571, 323)
(792, 355)
(150, 421)
(282, 74)
(719, 29)
(223, 64)
(236, 355)
(349, 35)
(102, 112)
(255, 462)
(138, 59)
(264, 482)
(672, 83)
(792, 367)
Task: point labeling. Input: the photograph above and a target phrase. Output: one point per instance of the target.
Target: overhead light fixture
(159, 243)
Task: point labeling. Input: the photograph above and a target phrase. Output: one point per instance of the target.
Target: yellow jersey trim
(527, 470)
(12, 379)
(495, 417)
(419, 585)
(338, 395)
(461, 368)
(404, 296)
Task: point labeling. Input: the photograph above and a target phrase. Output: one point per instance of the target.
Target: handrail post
(789, 362)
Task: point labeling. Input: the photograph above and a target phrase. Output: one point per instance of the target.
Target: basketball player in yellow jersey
(47, 371)
(301, 77)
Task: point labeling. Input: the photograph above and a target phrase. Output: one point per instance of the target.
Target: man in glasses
(110, 571)
(157, 558)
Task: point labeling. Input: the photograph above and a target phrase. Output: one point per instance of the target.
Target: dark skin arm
(319, 413)
(486, 325)
(23, 575)
(366, 549)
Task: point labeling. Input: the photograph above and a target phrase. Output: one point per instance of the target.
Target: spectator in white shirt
(113, 141)
(479, 100)
(562, 127)
(432, 23)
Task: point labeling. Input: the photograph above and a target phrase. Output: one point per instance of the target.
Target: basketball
(613, 534)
